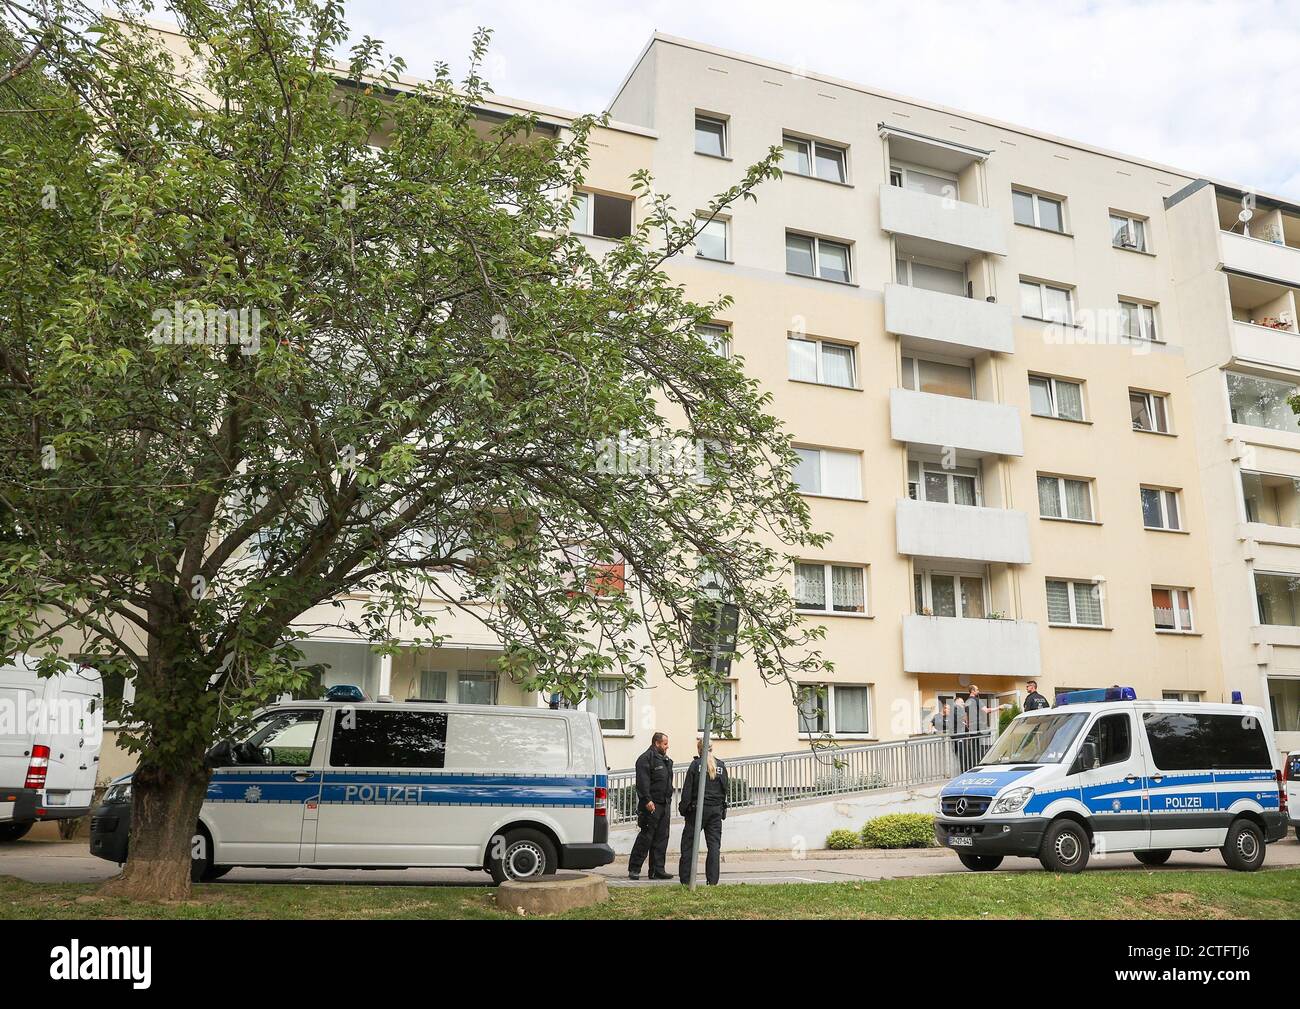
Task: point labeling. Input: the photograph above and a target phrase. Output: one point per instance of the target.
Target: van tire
(1065, 847)
(13, 831)
(1244, 848)
(521, 853)
(201, 869)
(979, 863)
(1157, 856)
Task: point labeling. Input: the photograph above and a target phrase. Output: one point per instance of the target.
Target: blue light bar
(1096, 696)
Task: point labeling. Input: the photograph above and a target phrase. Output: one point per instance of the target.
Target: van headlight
(121, 792)
(1012, 801)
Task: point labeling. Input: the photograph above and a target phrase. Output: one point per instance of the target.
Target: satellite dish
(1245, 216)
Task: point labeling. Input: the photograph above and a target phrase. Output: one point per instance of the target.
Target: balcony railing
(962, 228)
(947, 323)
(1261, 258)
(928, 420)
(971, 646)
(962, 532)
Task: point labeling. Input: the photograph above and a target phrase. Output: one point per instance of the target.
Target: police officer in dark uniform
(654, 796)
(1033, 699)
(715, 811)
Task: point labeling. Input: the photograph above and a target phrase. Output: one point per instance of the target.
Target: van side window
(366, 738)
(1182, 741)
(1111, 736)
(281, 739)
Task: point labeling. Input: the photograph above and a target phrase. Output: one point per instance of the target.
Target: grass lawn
(1162, 894)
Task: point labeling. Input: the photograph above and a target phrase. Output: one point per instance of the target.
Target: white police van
(519, 792)
(1104, 772)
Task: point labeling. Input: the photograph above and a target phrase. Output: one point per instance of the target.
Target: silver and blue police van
(518, 792)
(1104, 772)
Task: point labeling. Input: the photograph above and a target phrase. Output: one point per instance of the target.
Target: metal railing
(773, 779)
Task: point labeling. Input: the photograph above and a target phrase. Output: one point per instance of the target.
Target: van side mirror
(1087, 758)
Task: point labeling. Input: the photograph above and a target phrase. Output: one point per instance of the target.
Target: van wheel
(521, 854)
(1157, 856)
(201, 868)
(1065, 847)
(1244, 848)
(13, 831)
(979, 863)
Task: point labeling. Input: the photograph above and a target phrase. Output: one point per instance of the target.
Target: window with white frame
(830, 588)
(834, 709)
(811, 256)
(1047, 302)
(1160, 508)
(710, 135)
(1149, 410)
(602, 216)
(1172, 608)
(1138, 320)
(1074, 603)
(476, 687)
(948, 594)
(1038, 211)
(943, 378)
(1261, 402)
(1055, 397)
(930, 181)
(932, 481)
(609, 703)
(1128, 232)
(1191, 696)
(828, 472)
(931, 275)
(1061, 497)
(722, 703)
(822, 362)
(712, 241)
(815, 159)
(718, 336)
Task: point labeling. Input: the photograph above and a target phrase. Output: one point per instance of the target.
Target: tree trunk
(164, 819)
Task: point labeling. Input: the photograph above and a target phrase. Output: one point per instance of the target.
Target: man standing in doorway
(654, 794)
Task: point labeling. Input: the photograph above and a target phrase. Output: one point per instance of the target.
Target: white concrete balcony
(1277, 348)
(946, 323)
(972, 647)
(962, 532)
(1260, 258)
(928, 420)
(957, 227)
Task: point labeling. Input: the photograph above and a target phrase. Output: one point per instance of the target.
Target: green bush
(1005, 718)
(899, 830)
(842, 840)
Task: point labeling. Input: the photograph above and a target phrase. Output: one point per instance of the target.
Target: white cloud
(1208, 87)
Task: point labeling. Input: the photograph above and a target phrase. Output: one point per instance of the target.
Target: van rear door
(15, 735)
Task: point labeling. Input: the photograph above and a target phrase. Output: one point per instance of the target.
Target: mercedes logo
(961, 807)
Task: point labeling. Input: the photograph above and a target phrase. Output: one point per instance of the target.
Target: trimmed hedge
(843, 840)
(899, 830)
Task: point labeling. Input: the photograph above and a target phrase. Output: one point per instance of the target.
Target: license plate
(960, 841)
(56, 799)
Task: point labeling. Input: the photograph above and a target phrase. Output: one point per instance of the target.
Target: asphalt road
(71, 862)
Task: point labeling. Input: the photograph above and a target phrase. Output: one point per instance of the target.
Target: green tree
(424, 414)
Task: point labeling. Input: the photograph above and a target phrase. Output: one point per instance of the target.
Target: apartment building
(1037, 390)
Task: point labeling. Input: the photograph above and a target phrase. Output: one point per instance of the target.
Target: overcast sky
(1208, 87)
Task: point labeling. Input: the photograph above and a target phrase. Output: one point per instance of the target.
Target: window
(609, 703)
(1185, 741)
(1128, 232)
(930, 181)
(1149, 411)
(1173, 609)
(433, 684)
(1055, 397)
(821, 362)
(282, 738)
(927, 481)
(501, 741)
(1191, 696)
(1060, 497)
(938, 377)
(711, 136)
(476, 688)
(1137, 321)
(1046, 302)
(711, 241)
(834, 709)
(717, 336)
(1284, 703)
(809, 256)
(1271, 499)
(816, 159)
(843, 586)
(602, 216)
(723, 700)
(1160, 508)
(828, 473)
(1278, 597)
(390, 739)
(1261, 402)
(1074, 604)
(1112, 737)
(1037, 211)
(939, 594)
(931, 276)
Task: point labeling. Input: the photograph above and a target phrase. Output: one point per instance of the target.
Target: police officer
(1033, 699)
(715, 811)
(654, 796)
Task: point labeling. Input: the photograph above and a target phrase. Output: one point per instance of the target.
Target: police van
(1103, 772)
(518, 792)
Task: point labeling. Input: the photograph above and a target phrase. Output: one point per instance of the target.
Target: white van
(518, 792)
(1118, 775)
(51, 729)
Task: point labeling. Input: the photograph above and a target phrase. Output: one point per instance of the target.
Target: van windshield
(1043, 739)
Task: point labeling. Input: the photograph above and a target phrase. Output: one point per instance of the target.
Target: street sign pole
(722, 627)
(698, 828)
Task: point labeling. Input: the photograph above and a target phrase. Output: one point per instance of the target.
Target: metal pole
(698, 828)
